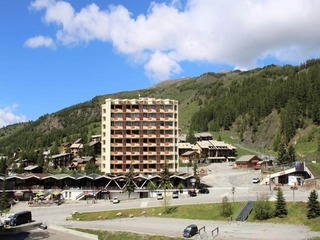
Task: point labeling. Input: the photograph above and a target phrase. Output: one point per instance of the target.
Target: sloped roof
(185, 145)
(188, 153)
(247, 158)
(31, 167)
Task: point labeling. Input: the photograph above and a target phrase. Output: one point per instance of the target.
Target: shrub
(263, 208)
(226, 209)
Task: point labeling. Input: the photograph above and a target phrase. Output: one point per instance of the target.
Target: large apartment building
(139, 132)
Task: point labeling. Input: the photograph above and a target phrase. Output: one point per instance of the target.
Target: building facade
(142, 133)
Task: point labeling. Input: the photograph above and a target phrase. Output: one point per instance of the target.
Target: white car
(256, 180)
(159, 196)
(115, 200)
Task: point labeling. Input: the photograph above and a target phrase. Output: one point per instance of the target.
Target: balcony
(149, 127)
(115, 119)
(116, 161)
(149, 170)
(116, 144)
(166, 144)
(131, 136)
(149, 110)
(116, 110)
(115, 153)
(133, 110)
(132, 153)
(149, 119)
(149, 161)
(166, 135)
(149, 136)
(116, 127)
(166, 153)
(116, 136)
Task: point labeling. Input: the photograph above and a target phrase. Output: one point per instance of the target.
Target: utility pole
(233, 191)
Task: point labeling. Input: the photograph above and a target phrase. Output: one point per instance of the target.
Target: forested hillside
(257, 106)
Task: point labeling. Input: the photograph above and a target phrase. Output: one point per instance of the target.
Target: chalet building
(95, 147)
(142, 133)
(249, 161)
(216, 151)
(190, 157)
(61, 160)
(79, 163)
(184, 147)
(204, 136)
(76, 148)
(66, 147)
(96, 138)
(182, 138)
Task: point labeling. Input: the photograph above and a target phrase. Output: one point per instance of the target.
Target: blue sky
(54, 54)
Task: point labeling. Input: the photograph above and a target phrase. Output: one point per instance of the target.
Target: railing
(213, 231)
(243, 215)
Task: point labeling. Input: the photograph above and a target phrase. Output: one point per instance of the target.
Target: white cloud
(7, 116)
(238, 33)
(40, 41)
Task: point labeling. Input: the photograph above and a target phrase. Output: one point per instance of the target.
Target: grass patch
(102, 235)
(198, 211)
(297, 215)
(314, 168)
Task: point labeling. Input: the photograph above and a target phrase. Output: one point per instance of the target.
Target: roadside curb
(73, 232)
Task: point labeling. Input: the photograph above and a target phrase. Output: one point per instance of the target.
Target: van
(190, 231)
(20, 218)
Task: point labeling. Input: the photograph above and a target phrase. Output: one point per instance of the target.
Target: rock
(143, 212)
(119, 214)
(131, 216)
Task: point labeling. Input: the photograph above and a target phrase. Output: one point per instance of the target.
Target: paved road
(222, 184)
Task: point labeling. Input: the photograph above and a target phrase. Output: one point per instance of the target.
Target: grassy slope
(296, 214)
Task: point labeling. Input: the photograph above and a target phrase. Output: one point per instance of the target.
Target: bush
(226, 209)
(263, 208)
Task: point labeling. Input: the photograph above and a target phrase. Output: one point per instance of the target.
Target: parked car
(159, 196)
(8, 218)
(115, 200)
(175, 194)
(192, 193)
(20, 218)
(190, 231)
(204, 190)
(256, 180)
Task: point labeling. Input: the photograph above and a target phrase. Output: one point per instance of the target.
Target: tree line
(290, 90)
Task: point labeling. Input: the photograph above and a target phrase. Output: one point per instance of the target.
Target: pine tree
(282, 151)
(190, 137)
(313, 205)
(281, 206)
(291, 153)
